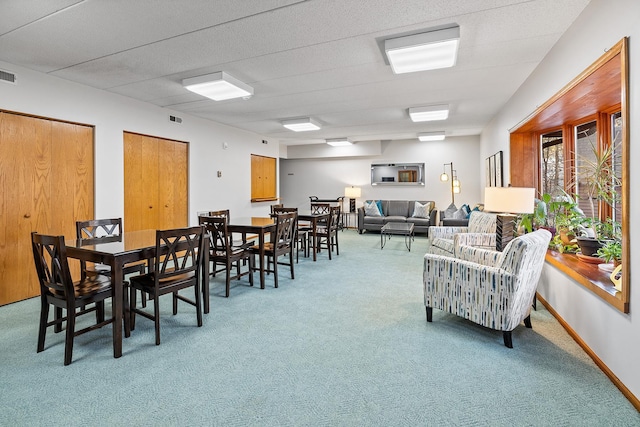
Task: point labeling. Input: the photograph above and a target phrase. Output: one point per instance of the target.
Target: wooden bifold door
(155, 183)
(47, 184)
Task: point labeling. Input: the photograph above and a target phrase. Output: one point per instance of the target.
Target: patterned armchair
(492, 289)
(480, 232)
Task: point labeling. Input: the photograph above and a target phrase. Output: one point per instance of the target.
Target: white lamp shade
(218, 86)
(423, 51)
(352, 192)
(509, 199)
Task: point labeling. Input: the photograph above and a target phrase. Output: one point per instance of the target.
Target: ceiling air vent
(8, 77)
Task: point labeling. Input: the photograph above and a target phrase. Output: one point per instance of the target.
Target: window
(585, 121)
(552, 163)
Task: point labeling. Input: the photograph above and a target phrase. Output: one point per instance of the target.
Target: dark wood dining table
(260, 226)
(116, 251)
(314, 219)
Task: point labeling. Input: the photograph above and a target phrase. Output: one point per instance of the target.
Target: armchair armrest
(445, 232)
(483, 240)
(478, 255)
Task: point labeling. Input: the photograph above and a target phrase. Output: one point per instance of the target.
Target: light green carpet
(344, 344)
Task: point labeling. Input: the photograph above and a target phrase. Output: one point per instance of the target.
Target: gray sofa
(397, 211)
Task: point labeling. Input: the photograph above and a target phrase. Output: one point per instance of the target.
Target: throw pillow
(420, 210)
(371, 209)
(379, 203)
(460, 214)
(467, 210)
(448, 213)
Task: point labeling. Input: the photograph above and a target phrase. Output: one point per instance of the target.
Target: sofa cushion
(441, 247)
(374, 219)
(420, 210)
(398, 208)
(371, 209)
(419, 222)
(395, 218)
(451, 209)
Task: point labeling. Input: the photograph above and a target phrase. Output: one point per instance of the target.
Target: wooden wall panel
(524, 159)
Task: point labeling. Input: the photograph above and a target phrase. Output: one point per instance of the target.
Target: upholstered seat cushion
(441, 247)
(395, 218)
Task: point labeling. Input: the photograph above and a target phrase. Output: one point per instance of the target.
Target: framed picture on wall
(487, 173)
(499, 176)
(492, 171)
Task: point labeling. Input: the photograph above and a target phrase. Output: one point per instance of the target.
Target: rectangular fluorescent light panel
(339, 142)
(301, 125)
(431, 136)
(430, 113)
(424, 51)
(218, 86)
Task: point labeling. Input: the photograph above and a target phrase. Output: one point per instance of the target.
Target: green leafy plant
(611, 251)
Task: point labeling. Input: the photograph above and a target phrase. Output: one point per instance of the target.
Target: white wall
(42, 95)
(327, 178)
(612, 335)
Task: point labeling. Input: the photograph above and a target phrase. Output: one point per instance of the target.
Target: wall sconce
(507, 201)
(352, 193)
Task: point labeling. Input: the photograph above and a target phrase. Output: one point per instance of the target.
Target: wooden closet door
(172, 163)
(46, 179)
(155, 183)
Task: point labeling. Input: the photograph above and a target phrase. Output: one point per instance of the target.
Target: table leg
(261, 253)
(205, 275)
(117, 303)
(314, 228)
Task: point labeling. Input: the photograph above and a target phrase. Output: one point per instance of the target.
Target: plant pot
(567, 237)
(589, 245)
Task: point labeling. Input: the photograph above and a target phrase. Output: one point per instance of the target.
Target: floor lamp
(352, 193)
(455, 183)
(506, 202)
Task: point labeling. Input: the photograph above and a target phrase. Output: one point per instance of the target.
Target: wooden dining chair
(280, 244)
(328, 232)
(223, 253)
(102, 228)
(300, 232)
(177, 266)
(57, 289)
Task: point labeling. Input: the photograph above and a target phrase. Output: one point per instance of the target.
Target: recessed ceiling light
(429, 113)
(218, 86)
(431, 136)
(424, 51)
(339, 142)
(302, 124)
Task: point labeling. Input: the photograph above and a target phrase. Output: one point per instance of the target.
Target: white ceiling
(318, 58)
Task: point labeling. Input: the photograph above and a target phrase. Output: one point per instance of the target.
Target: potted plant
(526, 223)
(568, 218)
(598, 180)
(611, 252)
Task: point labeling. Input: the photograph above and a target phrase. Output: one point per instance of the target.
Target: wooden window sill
(589, 276)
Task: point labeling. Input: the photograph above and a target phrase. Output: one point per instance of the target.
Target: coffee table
(398, 228)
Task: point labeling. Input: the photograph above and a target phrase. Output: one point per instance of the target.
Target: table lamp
(507, 201)
(352, 193)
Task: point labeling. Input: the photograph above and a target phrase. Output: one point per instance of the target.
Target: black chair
(59, 290)
(222, 252)
(328, 233)
(301, 232)
(243, 242)
(102, 228)
(280, 244)
(177, 266)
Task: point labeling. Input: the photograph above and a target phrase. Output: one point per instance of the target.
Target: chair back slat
(320, 208)
(219, 240)
(96, 228)
(50, 256)
(178, 252)
(285, 230)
